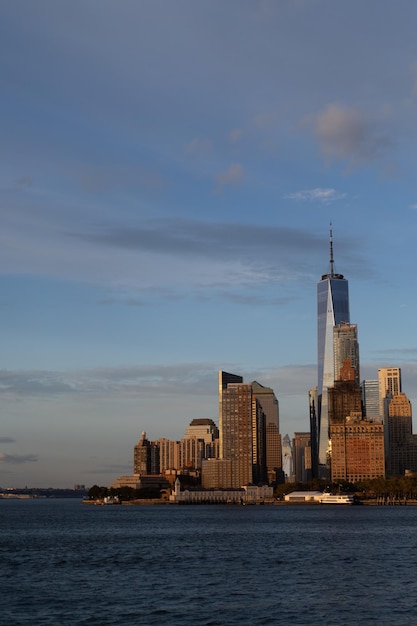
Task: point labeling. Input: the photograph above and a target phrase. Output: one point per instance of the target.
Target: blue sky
(169, 173)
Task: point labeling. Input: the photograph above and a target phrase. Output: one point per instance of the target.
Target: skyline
(168, 181)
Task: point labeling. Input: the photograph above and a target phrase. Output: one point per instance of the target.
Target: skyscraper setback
(332, 309)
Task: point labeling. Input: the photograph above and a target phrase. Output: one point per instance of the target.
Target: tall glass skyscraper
(332, 309)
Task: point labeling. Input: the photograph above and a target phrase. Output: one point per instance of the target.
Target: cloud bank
(18, 459)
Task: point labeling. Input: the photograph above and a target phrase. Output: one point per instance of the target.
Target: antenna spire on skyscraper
(331, 252)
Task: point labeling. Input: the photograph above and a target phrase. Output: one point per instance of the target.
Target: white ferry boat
(329, 498)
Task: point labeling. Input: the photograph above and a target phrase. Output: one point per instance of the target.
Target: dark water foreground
(65, 563)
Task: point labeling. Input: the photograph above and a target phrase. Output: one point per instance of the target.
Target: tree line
(123, 494)
(400, 487)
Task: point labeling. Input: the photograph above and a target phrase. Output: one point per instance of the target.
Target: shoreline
(158, 502)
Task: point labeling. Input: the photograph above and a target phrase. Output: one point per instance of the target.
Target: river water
(62, 562)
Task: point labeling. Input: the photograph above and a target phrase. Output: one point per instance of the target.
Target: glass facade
(370, 399)
(345, 343)
(332, 309)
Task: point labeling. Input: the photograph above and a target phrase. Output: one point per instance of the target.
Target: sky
(169, 174)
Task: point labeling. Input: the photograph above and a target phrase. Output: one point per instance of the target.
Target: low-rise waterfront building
(248, 494)
(303, 496)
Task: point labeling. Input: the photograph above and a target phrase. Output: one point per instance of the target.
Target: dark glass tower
(332, 309)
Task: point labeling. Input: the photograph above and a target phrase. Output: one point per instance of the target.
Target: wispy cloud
(256, 254)
(18, 459)
(199, 147)
(324, 195)
(413, 206)
(159, 380)
(256, 299)
(267, 120)
(401, 354)
(24, 182)
(7, 440)
(235, 135)
(152, 257)
(234, 175)
(111, 468)
(93, 179)
(33, 383)
(133, 380)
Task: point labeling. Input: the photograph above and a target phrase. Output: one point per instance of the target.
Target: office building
(168, 454)
(146, 458)
(287, 459)
(191, 453)
(344, 400)
(205, 429)
(224, 380)
(345, 346)
(345, 395)
(216, 473)
(313, 404)
(400, 443)
(200, 442)
(389, 380)
(236, 435)
(272, 447)
(301, 454)
(332, 309)
(242, 428)
(357, 449)
(370, 399)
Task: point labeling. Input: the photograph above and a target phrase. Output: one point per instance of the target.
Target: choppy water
(62, 563)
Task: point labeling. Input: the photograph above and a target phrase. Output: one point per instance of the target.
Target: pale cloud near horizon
(161, 380)
(18, 459)
(111, 468)
(324, 195)
(138, 380)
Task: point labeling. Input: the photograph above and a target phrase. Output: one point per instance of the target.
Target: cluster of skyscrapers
(358, 430)
(244, 449)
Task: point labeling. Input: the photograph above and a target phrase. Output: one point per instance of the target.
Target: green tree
(97, 493)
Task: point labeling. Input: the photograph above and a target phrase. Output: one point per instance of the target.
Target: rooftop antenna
(331, 252)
